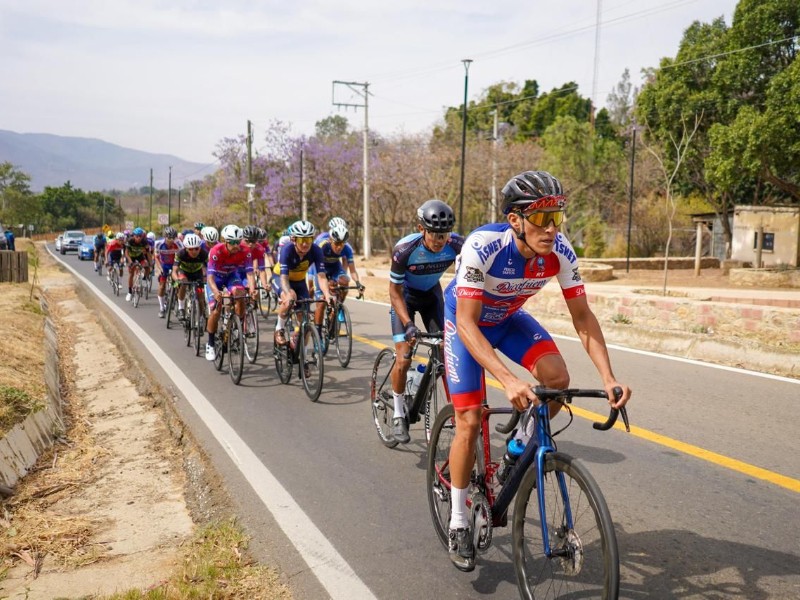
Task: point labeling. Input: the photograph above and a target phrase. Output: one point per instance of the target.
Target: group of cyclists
(498, 267)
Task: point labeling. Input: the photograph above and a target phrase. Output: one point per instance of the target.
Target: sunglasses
(542, 218)
(438, 236)
(303, 240)
(234, 243)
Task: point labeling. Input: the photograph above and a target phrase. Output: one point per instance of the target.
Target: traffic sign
(128, 224)
(163, 218)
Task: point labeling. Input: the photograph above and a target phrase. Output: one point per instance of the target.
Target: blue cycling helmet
(138, 231)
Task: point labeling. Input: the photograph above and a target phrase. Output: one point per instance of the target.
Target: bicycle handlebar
(426, 339)
(547, 394)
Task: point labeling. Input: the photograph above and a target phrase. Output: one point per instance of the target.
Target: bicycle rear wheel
(326, 330)
(196, 323)
(312, 363)
(170, 302)
(188, 330)
(343, 335)
(137, 288)
(381, 397)
(235, 349)
(251, 334)
(220, 343)
(585, 558)
(438, 475)
(115, 280)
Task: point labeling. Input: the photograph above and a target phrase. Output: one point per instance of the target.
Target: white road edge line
(689, 361)
(332, 571)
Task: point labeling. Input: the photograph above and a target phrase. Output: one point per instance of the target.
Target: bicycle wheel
(325, 338)
(263, 302)
(115, 280)
(434, 401)
(137, 288)
(438, 475)
(585, 558)
(170, 303)
(220, 343)
(188, 330)
(381, 396)
(235, 349)
(251, 334)
(147, 285)
(196, 323)
(312, 363)
(343, 336)
(283, 362)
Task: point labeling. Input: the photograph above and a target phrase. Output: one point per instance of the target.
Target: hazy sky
(177, 76)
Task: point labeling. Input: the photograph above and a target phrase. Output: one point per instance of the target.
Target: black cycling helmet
(250, 233)
(170, 233)
(436, 216)
(531, 187)
(199, 225)
(262, 234)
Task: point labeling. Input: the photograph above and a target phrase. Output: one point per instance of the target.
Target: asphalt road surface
(704, 492)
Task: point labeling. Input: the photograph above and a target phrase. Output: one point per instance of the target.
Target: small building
(710, 231)
(766, 236)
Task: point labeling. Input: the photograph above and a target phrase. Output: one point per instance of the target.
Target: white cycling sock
(280, 324)
(399, 404)
(161, 302)
(181, 304)
(458, 508)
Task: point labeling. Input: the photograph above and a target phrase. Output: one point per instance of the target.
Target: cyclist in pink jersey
(500, 267)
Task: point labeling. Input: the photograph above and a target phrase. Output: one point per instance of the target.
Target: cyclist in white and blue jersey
(418, 262)
(500, 268)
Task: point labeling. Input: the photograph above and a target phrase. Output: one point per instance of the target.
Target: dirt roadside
(114, 505)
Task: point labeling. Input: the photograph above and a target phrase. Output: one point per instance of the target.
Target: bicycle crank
(481, 517)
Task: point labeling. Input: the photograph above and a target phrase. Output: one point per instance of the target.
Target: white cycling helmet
(151, 235)
(120, 236)
(302, 229)
(337, 222)
(339, 233)
(210, 234)
(192, 240)
(232, 233)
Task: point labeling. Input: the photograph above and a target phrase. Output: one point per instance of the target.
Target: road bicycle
(172, 300)
(138, 284)
(250, 325)
(337, 327)
(194, 322)
(98, 261)
(563, 537)
(115, 274)
(148, 283)
(304, 349)
(430, 395)
(229, 340)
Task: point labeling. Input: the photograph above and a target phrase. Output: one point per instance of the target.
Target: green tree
(335, 126)
(12, 179)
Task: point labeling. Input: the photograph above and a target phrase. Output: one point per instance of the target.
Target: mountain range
(91, 164)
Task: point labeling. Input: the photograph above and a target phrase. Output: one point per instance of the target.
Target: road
(704, 491)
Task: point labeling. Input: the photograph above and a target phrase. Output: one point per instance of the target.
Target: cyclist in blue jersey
(500, 268)
(337, 256)
(418, 262)
(99, 250)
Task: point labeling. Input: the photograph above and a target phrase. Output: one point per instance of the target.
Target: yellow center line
(783, 481)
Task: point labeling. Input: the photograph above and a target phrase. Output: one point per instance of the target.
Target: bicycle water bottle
(414, 379)
(515, 448)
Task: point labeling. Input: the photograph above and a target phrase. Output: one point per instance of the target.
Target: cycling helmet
(436, 216)
(262, 234)
(339, 233)
(532, 190)
(210, 234)
(151, 235)
(192, 240)
(120, 236)
(250, 233)
(337, 222)
(231, 233)
(301, 229)
(199, 225)
(170, 233)
(138, 231)
(127, 232)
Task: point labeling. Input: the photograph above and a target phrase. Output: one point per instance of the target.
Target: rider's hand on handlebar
(519, 393)
(626, 394)
(411, 331)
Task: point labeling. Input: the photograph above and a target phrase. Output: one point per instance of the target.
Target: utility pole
(150, 213)
(179, 207)
(169, 198)
(303, 207)
(364, 93)
(467, 62)
(596, 62)
(250, 185)
(493, 216)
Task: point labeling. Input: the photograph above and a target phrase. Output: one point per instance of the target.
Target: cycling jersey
(165, 252)
(492, 270)
(187, 263)
(99, 241)
(332, 259)
(418, 269)
(295, 266)
(137, 251)
(257, 250)
(222, 263)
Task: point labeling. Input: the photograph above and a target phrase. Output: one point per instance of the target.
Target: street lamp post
(467, 62)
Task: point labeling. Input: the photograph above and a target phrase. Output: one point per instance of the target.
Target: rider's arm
(468, 310)
(324, 285)
(285, 287)
(212, 285)
(591, 335)
(398, 303)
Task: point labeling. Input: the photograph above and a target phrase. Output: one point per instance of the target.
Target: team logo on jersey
(509, 270)
(575, 275)
(473, 275)
(540, 263)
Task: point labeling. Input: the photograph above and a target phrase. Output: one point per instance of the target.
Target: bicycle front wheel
(434, 401)
(584, 559)
(343, 335)
(381, 397)
(251, 335)
(235, 349)
(137, 289)
(312, 363)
